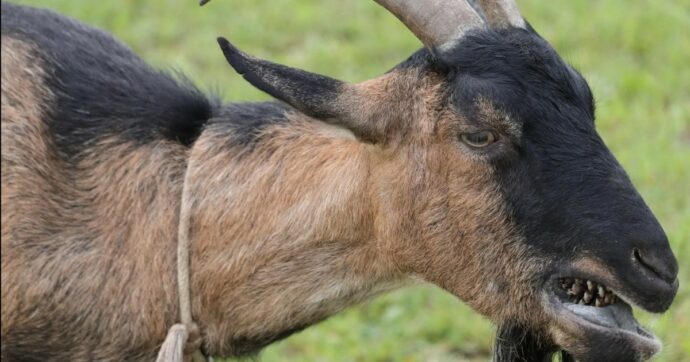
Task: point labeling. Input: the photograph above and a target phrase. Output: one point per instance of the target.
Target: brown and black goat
(473, 165)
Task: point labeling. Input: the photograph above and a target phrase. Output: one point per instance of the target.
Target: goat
(474, 165)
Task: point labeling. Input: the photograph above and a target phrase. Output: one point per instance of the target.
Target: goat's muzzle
(593, 321)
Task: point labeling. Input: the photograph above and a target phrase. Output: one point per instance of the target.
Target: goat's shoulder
(99, 87)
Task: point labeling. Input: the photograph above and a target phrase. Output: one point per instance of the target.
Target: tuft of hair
(517, 343)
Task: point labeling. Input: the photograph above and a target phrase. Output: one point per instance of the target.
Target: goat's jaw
(592, 333)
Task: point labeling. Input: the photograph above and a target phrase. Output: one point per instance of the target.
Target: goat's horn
(437, 23)
(502, 13)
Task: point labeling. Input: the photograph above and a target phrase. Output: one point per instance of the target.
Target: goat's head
(493, 181)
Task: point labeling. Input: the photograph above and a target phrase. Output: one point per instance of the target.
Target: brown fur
(346, 219)
(307, 222)
(86, 249)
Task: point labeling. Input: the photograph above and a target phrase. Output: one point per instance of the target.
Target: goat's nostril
(663, 269)
(637, 256)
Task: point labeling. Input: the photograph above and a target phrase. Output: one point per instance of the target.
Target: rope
(183, 339)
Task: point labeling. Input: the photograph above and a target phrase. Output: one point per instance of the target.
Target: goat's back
(93, 151)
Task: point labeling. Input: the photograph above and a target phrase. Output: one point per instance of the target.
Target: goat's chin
(591, 333)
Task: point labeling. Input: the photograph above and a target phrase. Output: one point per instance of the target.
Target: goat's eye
(478, 139)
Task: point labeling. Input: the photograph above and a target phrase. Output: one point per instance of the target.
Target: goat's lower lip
(616, 317)
(601, 333)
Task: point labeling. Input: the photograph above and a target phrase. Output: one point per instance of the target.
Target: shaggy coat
(300, 209)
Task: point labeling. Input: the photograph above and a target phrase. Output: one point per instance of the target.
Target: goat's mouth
(593, 323)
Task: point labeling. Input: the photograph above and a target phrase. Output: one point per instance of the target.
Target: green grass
(635, 55)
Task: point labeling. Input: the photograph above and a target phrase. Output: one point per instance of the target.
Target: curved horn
(502, 13)
(437, 23)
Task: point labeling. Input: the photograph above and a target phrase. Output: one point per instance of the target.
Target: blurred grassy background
(635, 54)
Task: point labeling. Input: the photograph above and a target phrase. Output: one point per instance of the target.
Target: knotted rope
(184, 339)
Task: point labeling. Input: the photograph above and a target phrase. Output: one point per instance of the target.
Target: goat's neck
(283, 233)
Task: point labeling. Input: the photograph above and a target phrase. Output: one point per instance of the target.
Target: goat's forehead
(519, 75)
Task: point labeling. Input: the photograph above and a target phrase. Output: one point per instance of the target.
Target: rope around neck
(183, 339)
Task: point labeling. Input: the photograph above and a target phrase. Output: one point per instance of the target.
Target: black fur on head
(572, 202)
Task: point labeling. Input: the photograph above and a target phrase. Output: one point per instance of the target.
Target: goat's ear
(318, 96)
(312, 94)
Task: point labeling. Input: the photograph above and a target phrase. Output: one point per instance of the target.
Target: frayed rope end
(181, 343)
(172, 349)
